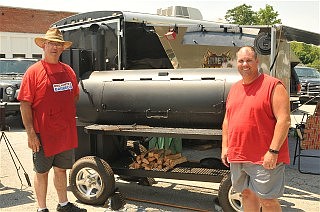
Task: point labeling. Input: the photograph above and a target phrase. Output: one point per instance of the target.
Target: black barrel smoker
(192, 98)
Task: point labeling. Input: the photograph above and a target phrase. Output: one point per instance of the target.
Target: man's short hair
(251, 49)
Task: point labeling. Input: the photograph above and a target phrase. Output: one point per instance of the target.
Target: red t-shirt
(34, 83)
(251, 121)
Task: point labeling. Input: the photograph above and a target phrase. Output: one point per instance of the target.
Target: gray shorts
(42, 164)
(265, 183)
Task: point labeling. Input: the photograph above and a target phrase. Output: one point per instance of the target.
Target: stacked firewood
(157, 159)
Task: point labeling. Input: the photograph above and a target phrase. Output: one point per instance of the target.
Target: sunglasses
(57, 44)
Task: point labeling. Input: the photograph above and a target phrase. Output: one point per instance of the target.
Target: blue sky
(299, 14)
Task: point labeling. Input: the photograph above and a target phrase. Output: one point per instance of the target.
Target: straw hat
(53, 34)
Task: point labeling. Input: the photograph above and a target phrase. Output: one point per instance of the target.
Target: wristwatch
(274, 151)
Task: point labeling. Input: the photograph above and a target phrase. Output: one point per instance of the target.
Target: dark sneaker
(43, 210)
(70, 208)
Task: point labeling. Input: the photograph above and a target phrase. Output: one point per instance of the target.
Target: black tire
(229, 200)
(92, 180)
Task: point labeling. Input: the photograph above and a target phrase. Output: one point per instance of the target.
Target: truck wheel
(229, 200)
(92, 180)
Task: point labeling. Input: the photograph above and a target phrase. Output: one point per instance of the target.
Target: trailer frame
(106, 145)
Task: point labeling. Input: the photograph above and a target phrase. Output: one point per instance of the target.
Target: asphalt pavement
(302, 191)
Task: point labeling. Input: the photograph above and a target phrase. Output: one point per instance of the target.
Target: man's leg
(250, 201)
(269, 184)
(60, 183)
(270, 205)
(40, 187)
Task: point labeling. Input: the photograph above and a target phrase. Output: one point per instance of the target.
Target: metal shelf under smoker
(184, 171)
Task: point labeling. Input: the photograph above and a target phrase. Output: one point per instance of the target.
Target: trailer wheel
(229, 200)
(92, 180)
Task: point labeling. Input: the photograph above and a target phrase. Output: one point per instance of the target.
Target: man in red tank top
(48, 94)
(255, 135)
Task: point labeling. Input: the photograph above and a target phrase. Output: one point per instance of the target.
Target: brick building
(19, 27)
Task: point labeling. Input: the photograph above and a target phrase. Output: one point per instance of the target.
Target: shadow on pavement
(198, 197)
(13, 196)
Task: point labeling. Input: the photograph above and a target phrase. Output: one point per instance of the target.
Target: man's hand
(270, 160)
(33, 142)
(224, 156)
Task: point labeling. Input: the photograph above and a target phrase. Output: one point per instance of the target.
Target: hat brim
(40, 42)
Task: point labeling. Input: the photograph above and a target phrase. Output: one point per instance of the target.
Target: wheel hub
(235, 200)
(89, 182)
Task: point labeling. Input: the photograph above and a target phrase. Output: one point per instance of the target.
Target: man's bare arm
(224, 149)
(281, 109)
(27, 119)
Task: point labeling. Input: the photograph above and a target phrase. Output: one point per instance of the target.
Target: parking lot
(302, 191)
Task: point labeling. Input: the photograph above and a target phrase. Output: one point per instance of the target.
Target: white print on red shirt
(62, 86)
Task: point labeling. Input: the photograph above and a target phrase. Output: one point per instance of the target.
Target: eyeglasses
(57, 44)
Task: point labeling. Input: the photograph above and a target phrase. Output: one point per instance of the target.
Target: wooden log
(157, 159)
(145, 160)
(151, 159)
(150, 154)
(173, 157)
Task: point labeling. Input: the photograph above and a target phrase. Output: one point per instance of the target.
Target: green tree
(267, 16)
(308, 54)
(244, 15)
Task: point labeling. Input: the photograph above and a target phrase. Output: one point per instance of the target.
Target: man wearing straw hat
(48, 94)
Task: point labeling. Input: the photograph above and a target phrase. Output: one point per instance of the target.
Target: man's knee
(247, 193)
(58, 172)
(269, 203)
(42, 175)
